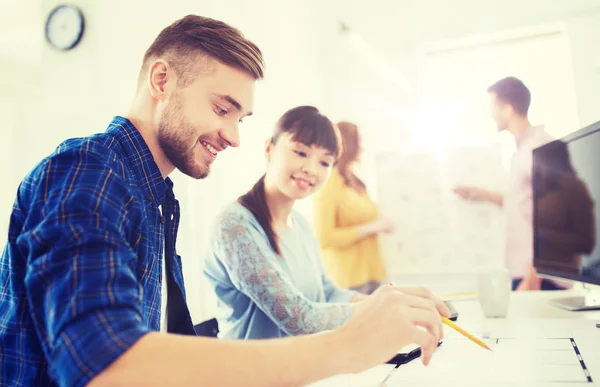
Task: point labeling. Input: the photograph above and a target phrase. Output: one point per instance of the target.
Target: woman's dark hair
(307, 125)
(350, 154)
(552, 165)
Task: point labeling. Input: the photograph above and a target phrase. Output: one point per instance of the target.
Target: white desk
(529, 312)
(527, 305)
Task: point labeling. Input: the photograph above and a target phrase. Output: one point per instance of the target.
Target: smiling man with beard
(91, 286)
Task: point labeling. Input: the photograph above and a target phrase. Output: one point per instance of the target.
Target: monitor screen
(566, 212)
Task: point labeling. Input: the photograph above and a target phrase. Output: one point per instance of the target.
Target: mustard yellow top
(339, 211)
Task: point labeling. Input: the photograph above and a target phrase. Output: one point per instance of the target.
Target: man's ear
(161, 78)
(268, 149)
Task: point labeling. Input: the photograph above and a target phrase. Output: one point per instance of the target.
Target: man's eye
(219, 111)
(325, 164)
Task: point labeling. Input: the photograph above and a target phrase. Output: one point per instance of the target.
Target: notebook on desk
(513, 361)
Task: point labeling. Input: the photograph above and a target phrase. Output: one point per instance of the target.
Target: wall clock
(64, 27)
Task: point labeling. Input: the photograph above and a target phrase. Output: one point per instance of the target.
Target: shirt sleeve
(329, 234)
(254, 269)
(80, 281)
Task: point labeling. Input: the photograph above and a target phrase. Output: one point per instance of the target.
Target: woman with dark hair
(347, 222)
(264, 262)
(565, 222)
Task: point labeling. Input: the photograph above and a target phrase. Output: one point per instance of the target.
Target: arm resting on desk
(172, 360)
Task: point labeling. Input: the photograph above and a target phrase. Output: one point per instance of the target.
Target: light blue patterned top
(263, 295)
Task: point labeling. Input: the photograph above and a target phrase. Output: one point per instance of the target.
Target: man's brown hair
(512, 91)
(184, 42)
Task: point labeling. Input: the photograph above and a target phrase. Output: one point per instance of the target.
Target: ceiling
(392, 27)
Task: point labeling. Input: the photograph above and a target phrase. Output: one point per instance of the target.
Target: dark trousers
(366, 288)
(546, 284)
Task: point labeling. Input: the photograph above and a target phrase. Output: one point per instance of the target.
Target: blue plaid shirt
(80, 276)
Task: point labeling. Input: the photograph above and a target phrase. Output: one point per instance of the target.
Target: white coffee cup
(493, 292)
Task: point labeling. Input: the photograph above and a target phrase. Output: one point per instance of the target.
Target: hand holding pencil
(444, 312)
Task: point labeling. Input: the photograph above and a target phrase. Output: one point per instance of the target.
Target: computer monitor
(566, 212)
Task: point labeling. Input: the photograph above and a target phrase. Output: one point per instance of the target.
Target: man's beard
(173, 138)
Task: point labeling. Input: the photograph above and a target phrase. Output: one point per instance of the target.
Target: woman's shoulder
(235, 214)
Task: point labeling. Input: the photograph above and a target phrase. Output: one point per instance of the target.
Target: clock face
(64, 27)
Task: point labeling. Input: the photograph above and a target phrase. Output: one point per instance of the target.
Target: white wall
(19, 87)
(19, 83)
(7, 107)
(584, 32)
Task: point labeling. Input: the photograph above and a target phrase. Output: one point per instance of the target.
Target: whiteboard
(435, 230)
(454, 141)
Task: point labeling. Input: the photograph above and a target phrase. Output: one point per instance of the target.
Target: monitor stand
(589, 301)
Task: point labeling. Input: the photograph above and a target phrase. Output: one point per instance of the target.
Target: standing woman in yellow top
(347, 222)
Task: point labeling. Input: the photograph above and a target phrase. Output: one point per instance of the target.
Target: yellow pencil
(464, 333)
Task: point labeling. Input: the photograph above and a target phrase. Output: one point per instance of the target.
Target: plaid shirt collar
(140, 159)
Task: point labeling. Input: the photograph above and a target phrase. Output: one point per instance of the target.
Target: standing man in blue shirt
(90, 275)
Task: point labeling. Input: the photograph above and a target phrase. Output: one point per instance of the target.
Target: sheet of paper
(370, 378)
(511, 362)
(517, 329)
(558, 358)
(561, 373)
(554, 344)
